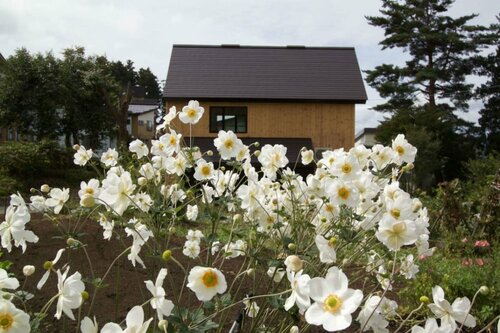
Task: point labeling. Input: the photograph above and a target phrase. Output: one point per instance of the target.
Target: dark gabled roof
(139, 106)
(293, 73)
(366, 130)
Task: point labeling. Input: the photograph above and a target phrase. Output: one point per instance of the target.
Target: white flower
(7, 282)
(191, 113)
(176, 165)
(110, 157)
(327, 253)
(135, 323)
(204, 170)
(251, 308)
(431, 326)
(37, 203)
(162, 305)
(395, 233)
(140, 234)
(272, 158)
(334, 302)
(404, 152)
(235, 249)
(171, 142)
(88, 192)
(70, 293)
(227, 144)
(408, 268)
(381, 156)
(13, 320)
(369, 316)
(147, 171)
(89, 326)
(194, 235)
(300, 290)
(143, 201)
(107, 226)
(346, 167)
(192, 212)
(206, 282)
(28, 270)
(449, 314)
(13, 228)
(343, 193)
(49, 265)
(191, 249)
(117, 191)
(82, 156)
(307, 156)
(276, 274)
(57, 199)
(139, 147)
(167, 119)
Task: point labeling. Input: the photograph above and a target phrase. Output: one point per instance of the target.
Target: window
(149, 125)
(228, 118)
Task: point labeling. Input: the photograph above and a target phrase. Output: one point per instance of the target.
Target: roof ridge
(295, 47)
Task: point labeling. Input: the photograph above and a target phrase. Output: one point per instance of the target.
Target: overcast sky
(144, 30)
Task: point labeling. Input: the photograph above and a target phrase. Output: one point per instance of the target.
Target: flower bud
(424, 299)
(32, 190)
(237, 218)
(45, 188)
(142, 181)
(171, 230)
(294, 329)
(332, 241)
(292, 246)
(256, 144)
(87, 200)
(484, 290)
(76, 146)
(250, 272)
(163, 324)
(294, 263)
(167, 254)
(72, 242)
(28, 270)
(47, 265)
(257, 153)
(85, 295)
(222, 168)
(210, 153)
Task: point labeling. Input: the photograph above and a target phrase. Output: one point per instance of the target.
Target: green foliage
(424, 93)
(82, 97)
(457, 280)
(469, 208)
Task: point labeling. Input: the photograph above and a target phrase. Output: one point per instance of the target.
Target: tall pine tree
(424, 93)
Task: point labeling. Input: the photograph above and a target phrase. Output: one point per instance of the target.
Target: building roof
(138, 106)
(364, 131)
(267, 73)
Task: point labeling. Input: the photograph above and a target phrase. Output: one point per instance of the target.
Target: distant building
(366, 137)
(293, 95)
(141, 119)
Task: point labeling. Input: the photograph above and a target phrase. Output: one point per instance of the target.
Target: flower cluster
(348, 221)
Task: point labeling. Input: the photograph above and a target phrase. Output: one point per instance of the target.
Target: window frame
(213, 113)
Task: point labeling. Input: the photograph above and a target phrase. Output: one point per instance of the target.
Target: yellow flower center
(399, 228)
(400, 150)
(229, 144)
(209, 279)
(329, 208)
(89, 190)
(346, 168)
(332, 303)
(343, 193)
(205, 170)
(173, 140)
(6, 321)
(191, 113)
(396, 213)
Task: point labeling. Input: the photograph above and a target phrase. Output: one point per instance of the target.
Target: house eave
(262, 100)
